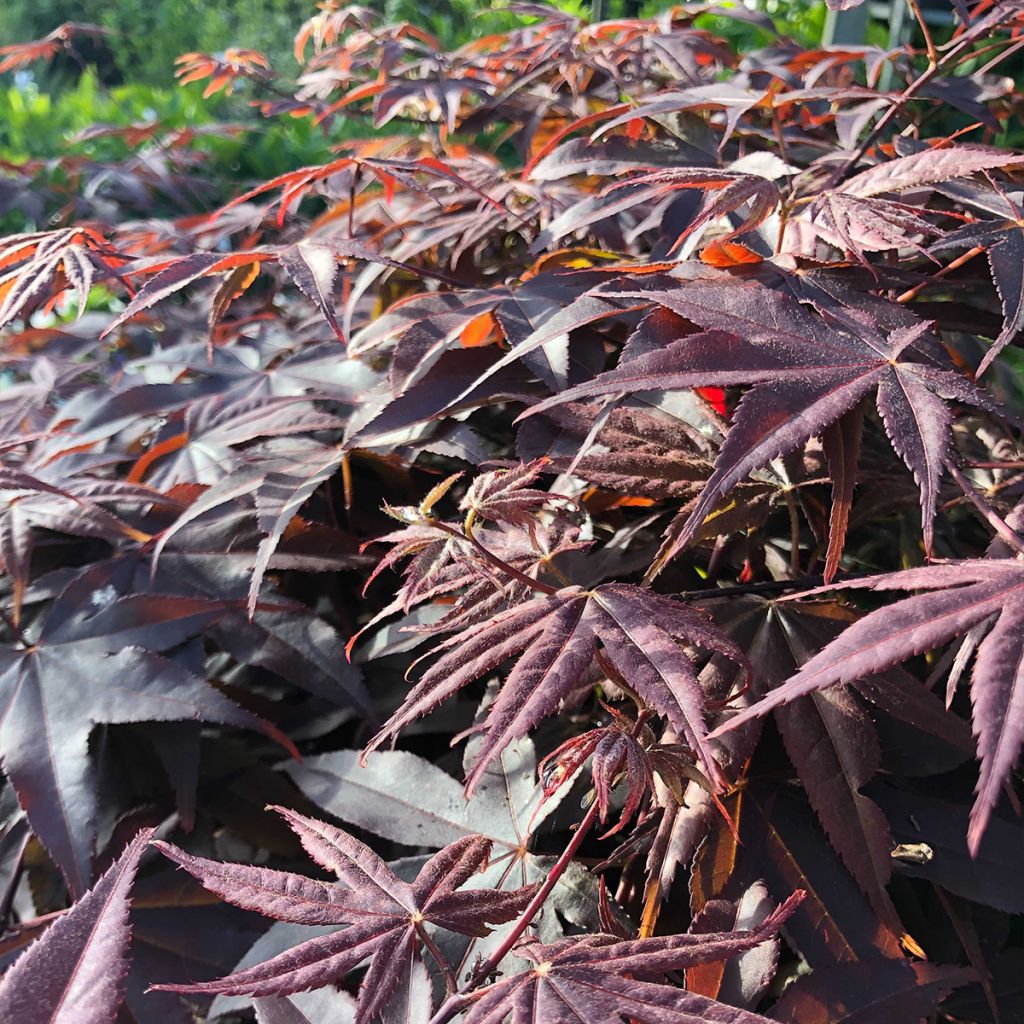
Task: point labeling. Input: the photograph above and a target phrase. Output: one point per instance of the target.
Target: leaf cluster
(626, 433)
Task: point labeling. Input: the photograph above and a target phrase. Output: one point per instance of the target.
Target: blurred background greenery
(127, 76)
(149, 34)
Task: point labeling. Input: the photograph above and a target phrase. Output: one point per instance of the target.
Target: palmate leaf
(385, 915)
(61, 38)
(397, 795)
(554, 638)
(862, 225)
(960, 596)
(199, 446)
(775, 837)
(588, 980)
(742, 980)
(98, 659)
(726, 192)
(832, 743)
(279, 487)
(505, 496)
(808, 371)
(929, 167)
(29, 263)
(75, 973)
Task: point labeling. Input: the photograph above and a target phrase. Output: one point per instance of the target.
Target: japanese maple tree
(522, 568)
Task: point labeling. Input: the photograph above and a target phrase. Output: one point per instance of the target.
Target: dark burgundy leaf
(75, 972)
(385, 915)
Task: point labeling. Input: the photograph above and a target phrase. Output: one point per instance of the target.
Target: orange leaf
(728, 254)
(478, 332)
(172, 444)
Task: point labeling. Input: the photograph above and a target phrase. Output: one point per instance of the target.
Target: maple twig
(964, 928)
(498, 563)
(912, 293)
(764, 587)
(997, 523)
(933, 55)
(997, 464)
(998, 58)
(898, 104)
(454, 1002)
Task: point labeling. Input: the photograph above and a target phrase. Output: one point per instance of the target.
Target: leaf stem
(453, 1003)
(498, 563)
(912, 293)
(794, 532)
(451, 984)
(764, 587)
(13, 626)
(933, 56)
(934, 67)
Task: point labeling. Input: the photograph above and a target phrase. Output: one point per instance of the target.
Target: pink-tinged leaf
(808, 373)
(861, 225)
(929, 167)
(504, 495)
(180, 274)
(585, 980)
(385, 915)
(37, 258)
(554, 638)
(314, 269)
(75, 973)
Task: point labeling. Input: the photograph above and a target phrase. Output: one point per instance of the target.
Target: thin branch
(764, 587)
(997, 523)
(498, 563)
(913, 293)
(898, 104)
(794, 532)
(453, 1004)
(439, 958)
(933, 56)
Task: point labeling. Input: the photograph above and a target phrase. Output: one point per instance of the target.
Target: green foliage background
(149, 34)
(129, 76)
